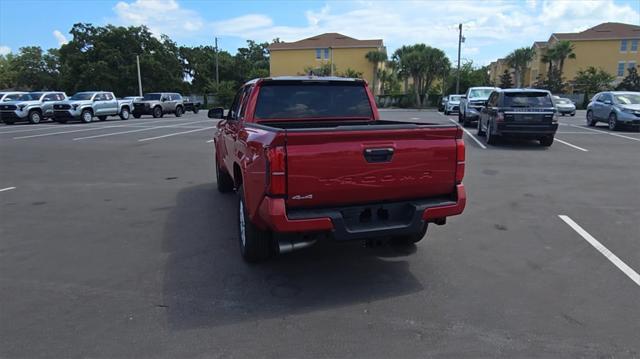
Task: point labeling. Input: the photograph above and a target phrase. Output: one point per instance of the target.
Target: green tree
(563, 50)
(631, 82)
(592, 80)
(8, 74)
(351, 73)
(322, 70)
(376, 57)
(35, 69)
(505, 80)
(425, 64)
(470, 76)
(518, 59)
(400, 66)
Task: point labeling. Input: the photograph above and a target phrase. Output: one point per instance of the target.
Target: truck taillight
(460, 157)
(276, 171)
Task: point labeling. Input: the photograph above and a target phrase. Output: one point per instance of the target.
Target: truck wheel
(223, 180)
(157, 112)
(178, 111)
(34, 117)
(102, 118)
(591, 122)
(613, 122)
(124, 114)
(546, 141)
(411, 238)
(255, 244)
(137, 115)
(196, 110)
(86, 116)
(460, 117)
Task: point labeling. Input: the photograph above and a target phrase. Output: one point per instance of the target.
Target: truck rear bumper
(363, 221)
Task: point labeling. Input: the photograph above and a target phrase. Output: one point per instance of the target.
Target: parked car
(159, 104)
(84, 106)
(10, 96)
(521, 113)
(310, 156)
(473, 101)
(32, 107)
(453, 104)
(564, 106)
(443, 103)
(191, 105)
(616, 108)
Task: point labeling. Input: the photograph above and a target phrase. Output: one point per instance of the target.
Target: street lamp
(139, 76)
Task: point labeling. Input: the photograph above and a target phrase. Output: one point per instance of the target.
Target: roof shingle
(331, 39)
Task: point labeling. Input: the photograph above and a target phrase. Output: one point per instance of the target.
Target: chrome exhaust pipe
(286, 246)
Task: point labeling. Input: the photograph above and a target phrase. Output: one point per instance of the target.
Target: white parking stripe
(602, 249)
(7, 189)
(209, 141)
(571, 145)
(605, 132)
(62, 132)
(469, 133)
(39, 127)
(175, 134)
(132, 131)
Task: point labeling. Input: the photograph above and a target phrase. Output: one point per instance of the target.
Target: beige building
(294, 58)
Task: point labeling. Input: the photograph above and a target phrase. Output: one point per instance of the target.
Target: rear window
(312, 100)
(527, 99)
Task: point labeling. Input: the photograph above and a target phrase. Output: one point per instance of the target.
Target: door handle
(376, 155)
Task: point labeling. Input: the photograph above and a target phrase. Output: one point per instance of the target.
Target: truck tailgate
(332, 168)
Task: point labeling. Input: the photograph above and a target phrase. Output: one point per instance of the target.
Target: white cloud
(60, 37)
(160, 16)
(5, 50)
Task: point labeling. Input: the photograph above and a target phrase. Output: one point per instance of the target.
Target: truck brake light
(276, 171)
(460, 158)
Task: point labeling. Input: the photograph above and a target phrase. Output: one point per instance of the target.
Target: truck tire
(124, 114)
(255, 244)
(411, 238)
(35, 116)
(157, 112)
(179, 111)
(460, 117)
(223, 180)
(546, 141)
(480, 133)
(102, 118)
(86, 116)
(196, 110)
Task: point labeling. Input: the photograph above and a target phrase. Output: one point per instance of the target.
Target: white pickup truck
(471, 104)
(84, 106)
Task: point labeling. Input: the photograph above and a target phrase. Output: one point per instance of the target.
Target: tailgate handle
(373, 155)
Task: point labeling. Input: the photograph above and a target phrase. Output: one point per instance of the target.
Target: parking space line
(468, 133)
(175, 134)
(607, 133)
(63, 132)
(628, 271)
(571, 145)
(209, 141)
(577, 133)
(132, 131)
(39, 127)
(7, 189)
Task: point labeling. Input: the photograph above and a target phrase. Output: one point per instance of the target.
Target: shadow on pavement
(206, 283)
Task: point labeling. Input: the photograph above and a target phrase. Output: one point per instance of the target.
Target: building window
(318, 54)
(631, 64)
(623, 45)
(326, 53)
(621, 68)
(634, 45)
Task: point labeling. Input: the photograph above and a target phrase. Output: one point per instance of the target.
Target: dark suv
(522, 113)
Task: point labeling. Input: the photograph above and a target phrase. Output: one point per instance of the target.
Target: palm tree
(548, 57)
(376, 57)
(519, 59)
(397, 58)
(563, 50)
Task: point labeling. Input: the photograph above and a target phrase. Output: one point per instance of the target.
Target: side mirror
(463, 96)
(217, 112)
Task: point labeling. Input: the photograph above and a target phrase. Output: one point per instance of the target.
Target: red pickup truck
(310, 158)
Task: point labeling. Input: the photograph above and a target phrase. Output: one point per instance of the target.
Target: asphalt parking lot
(114, 242)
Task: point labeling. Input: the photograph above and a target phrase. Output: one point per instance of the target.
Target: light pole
(459, 45)
(217, 78)
(139, 77)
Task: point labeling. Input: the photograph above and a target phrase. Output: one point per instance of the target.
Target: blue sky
(492, 28)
